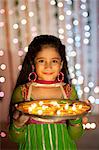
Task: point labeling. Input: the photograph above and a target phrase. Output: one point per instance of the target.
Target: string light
(2, 11)
(1, 52)
(15, 26)
(2, 79)
(1, 94)
(3, 66)
(86, 89)
(60, 4)
(23, 21)
(96, 89)
(52, 2)
(31, 14)
(1, 24)
(91, 99)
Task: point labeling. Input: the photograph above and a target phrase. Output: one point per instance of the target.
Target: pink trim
(32, 121)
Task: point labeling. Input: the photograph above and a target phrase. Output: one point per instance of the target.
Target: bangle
(19, 129)
(77, 121)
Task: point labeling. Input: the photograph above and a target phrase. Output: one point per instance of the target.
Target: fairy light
(23, 21)
(1, 94)
(15, 26)
(96, 89)
(91, 99)
(77, 66)
(85, 14)
(2, 79)
(68, 12)
(74, 81)
(86, 89)
(60, 4)
(67, 58)
(3, 134)
(93, 125)
(77, 38)
(23, 7)
(86, 41)
(72, 75)
(31, 14)
(78, 73)
(87, 34)
(61, 17)
(33, 29)
(3, 66)
(90, 84)
(68, 26)
(20, 53)
(69, 48)
(73, 53)
(88, 125)
(19, 67)
(75, 22)
(2, 11)
(86, 27)
(15, 40)
(11, 12)
(80, 80)
(1, 24)
(80, 92)
(70, 40)
(61, 30)
(97, 101)
(26, 49)
(83, 1)
(83, 6)
(52, 2)
(1, 52)
(61, 37)
(69, 2)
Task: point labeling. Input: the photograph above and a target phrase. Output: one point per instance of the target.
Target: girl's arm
(75, 127)
(16, 133)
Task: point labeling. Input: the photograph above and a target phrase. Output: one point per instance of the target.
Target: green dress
(59, 136)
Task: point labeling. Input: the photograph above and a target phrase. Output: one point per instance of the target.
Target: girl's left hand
(85, 118)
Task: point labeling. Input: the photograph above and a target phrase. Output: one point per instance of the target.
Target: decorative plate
(55, 109)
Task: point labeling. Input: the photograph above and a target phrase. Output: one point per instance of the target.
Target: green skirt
(47, 137)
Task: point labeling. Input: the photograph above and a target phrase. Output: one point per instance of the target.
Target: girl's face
(48, 64)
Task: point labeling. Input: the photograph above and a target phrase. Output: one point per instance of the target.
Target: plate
(53, 110)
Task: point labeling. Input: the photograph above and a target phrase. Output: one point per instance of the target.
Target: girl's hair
(35, 46)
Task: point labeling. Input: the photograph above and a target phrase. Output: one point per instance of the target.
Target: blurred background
(76, 23)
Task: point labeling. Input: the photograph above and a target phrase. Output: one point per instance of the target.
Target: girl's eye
(41, 61)
(55, 61)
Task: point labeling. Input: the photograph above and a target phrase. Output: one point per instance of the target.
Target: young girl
(44, 75)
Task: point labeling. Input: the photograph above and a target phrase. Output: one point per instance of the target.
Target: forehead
(48, 52)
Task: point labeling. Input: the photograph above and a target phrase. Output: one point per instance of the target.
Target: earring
(33, 74)
(60, 77)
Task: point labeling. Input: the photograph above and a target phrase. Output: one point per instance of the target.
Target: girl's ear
(61, 65)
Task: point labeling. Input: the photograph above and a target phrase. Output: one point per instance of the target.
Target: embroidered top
(33, 136)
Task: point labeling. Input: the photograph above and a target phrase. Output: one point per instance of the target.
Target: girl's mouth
(48, 73)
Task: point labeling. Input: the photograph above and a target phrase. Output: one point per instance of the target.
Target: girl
(44, 75)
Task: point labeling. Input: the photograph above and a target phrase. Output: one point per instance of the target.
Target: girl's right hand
(20, 119)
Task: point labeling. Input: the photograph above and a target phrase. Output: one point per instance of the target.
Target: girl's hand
(20, 119)
(85, 118)
(87, 102)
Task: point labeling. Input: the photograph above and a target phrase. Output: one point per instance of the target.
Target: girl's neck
(46, 82)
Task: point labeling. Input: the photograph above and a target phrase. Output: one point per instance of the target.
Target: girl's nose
(48, 65)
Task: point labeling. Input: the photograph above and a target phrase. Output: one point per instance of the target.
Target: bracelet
(19, 129)
(77, 121)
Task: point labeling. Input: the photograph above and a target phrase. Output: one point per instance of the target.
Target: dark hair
(35, 46)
